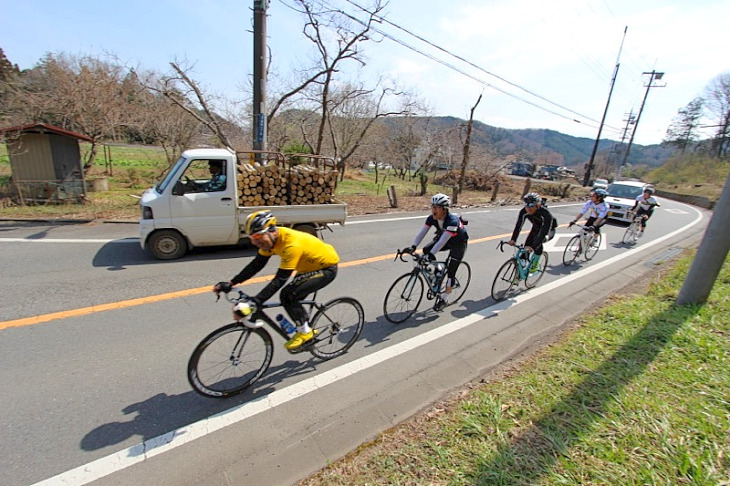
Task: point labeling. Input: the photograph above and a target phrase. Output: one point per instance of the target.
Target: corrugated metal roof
(45, 127)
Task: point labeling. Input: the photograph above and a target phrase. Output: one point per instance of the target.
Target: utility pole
(652, 77)
(630, 120)
(259, 74)
(589, 166)
(710, 256)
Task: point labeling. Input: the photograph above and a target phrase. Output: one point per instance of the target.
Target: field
(130, 170)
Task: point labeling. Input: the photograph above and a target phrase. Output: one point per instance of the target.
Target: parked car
(600, 184)
(621, 197)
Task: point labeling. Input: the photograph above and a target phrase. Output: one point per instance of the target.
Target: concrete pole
(259, 74)
(710, 255)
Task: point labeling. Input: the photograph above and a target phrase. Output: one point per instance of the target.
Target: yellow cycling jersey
(301, 251)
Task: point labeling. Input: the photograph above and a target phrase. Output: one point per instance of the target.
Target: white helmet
(441, 200)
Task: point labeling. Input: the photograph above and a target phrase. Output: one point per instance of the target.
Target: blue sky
(563, 51)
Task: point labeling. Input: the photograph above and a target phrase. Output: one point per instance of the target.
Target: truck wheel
(307, 228)
(167, 245)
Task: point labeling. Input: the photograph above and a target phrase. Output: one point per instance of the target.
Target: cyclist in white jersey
(646, 203)
(596, 209)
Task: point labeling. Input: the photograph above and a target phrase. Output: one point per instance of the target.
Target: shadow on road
(120, 254)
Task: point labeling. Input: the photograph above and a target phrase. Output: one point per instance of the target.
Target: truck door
(204, 202)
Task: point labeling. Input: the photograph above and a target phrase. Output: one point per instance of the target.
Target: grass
(637, 393)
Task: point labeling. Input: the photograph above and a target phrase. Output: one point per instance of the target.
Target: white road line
(60, 240)
(166, 442)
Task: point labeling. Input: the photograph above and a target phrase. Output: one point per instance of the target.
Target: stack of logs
(274, 185)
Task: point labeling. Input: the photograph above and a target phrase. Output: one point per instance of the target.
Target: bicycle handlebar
(501, 244)
(406, 251)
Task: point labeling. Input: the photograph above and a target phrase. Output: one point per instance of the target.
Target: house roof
(44, 128)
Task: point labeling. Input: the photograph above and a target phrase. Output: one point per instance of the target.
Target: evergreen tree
(684, 130)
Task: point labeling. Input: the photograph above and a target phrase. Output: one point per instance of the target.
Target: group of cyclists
(315, 262)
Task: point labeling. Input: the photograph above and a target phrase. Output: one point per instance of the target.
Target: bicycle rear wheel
(506, 279)
(593, 248)
(229, 360)
(338, 324)
(534, 277)
(403, 298)
(572, 250)
(462, 278)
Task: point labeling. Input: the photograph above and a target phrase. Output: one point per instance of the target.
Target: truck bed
(287, 215)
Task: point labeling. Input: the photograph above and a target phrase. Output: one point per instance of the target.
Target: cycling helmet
(602, 193)
(259, 222)
(532, 199)
(441, 200)
(649, 189)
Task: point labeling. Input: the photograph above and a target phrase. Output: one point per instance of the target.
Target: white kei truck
(193, 206)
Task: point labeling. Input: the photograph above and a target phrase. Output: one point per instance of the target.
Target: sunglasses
(257, 236)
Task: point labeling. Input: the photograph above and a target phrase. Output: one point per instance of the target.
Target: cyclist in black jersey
(543, 224)
(450, 235)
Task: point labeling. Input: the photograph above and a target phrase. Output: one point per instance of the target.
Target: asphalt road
(95, 336)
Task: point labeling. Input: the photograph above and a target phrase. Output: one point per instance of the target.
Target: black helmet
(602, 193)
(259, 222)
(532, 199)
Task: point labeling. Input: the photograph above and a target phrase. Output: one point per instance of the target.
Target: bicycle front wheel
(506, 278)
(403, 298)
(539, 270)
(229, 360)
(460, 283)
(631, 233)
(593, 248)
(338, 324)
(572, 250)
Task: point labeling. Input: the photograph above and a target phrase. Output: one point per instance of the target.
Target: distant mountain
(547, 144)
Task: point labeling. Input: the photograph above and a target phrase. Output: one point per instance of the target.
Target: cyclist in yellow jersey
(314, 261)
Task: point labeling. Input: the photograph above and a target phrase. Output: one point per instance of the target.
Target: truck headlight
(147, 212)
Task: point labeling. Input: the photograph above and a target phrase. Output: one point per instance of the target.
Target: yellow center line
(28, 321)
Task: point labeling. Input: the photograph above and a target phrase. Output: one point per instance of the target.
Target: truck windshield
(160, 187)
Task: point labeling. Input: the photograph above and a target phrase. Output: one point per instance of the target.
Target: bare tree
(83, 94)
(347, 34)
(182, 90)
(718, 104)
(352, 113)
(465, 158)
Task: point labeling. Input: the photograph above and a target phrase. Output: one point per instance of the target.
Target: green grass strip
(639, 393)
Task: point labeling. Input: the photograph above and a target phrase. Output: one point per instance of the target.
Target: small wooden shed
(45, 162)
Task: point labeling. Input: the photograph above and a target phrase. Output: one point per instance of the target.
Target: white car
(622, 197)
(600, 184)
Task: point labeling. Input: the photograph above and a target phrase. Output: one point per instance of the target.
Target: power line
(446, 51)
(323, 3)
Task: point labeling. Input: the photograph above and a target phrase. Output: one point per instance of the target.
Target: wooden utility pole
(589, 165)
(652, 76)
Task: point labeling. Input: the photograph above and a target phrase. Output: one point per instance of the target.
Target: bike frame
(419, 267)
(260, 314)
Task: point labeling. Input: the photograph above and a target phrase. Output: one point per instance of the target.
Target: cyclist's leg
(456, 255)
(292, 295)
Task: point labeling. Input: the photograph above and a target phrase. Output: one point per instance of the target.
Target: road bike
(634, 229)
(427, 277)
(517, 269)
(233, 357)
(585, 243)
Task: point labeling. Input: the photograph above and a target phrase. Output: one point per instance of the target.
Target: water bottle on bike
(285, 324)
